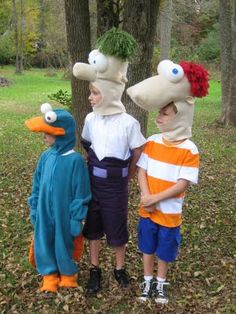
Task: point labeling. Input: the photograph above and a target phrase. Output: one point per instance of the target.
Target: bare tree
(140, 18)
(17, 45)
(78, 39)
(22, 24)
(42, 24)
(166, 25)
(228, 61)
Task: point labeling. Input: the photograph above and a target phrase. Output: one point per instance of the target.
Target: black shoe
(147, 289)
(161, 293)
(94, 283)
(122, 277)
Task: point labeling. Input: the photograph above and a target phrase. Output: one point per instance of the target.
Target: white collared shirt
(112, 136)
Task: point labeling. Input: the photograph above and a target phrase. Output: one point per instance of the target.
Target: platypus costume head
(177, 83)
(59, 123)
(107, 69)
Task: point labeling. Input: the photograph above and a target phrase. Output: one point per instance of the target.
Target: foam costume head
(107, 69)
(178, 83)
(59, 123)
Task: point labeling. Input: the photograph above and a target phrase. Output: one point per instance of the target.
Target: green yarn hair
(117, 43)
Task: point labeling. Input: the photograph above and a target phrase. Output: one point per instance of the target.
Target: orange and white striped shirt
(165, 165)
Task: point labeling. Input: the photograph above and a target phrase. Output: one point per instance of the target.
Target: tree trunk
(22, 20)
(108, 15)
(140, 18)
(42, 24)
(226, 49)
(231, 118)
(93, 21)
(166, 25)
(78, 40)
(15, 18)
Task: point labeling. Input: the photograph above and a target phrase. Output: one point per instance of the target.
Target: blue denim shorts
(159, 240)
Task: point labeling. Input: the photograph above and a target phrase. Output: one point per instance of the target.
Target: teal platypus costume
(58, 204)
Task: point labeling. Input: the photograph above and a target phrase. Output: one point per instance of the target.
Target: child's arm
(142, 180)
(151, 199)
(143, 184)
(33, 199)
(134, 159)
(81, 197)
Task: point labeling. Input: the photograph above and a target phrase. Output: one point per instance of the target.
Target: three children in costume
(114, 143)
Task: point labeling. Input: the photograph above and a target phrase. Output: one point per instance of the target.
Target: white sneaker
(161, 293)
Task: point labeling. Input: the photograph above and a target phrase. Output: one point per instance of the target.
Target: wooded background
(51, 35)
(58, 33)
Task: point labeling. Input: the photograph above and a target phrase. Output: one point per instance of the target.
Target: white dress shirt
(112, 136)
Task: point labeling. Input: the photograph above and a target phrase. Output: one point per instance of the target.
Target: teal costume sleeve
(82, 195)
(33, 199)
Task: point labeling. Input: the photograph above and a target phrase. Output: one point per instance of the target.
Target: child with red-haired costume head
(167, 166)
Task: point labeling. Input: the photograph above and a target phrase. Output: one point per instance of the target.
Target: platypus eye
(173, 72)
(50, 116)
(98, 61)
(45, 107)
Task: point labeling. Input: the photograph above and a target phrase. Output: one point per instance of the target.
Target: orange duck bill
(38, 124)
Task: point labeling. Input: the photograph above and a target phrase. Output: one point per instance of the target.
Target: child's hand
(150, 209)
(148, 200)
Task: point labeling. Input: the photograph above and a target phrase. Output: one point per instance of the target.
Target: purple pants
(108, 209)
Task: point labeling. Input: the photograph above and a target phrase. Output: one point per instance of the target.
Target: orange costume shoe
(50, 283)
(68, 281)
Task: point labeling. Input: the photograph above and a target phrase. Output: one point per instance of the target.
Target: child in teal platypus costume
(59, 199)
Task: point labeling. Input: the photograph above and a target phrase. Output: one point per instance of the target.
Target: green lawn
(31, 88)
(202, 279)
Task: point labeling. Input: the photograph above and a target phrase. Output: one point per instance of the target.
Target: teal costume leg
(54, 250)
(64, 252)
(44, 248)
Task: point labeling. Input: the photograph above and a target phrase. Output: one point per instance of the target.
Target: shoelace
(160, 287)
(145, 286)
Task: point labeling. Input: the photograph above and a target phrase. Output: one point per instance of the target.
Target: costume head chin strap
(180, 127)
(111, 97)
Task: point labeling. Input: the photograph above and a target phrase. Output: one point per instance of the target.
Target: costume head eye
(45, 107)
(98, 61)
(173, 72)
(92, 56)
(50, 116)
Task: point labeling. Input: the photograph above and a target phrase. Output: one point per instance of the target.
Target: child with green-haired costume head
(114, 143)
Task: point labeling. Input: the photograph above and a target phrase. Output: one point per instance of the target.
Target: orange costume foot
(68, 281)
(50, 283)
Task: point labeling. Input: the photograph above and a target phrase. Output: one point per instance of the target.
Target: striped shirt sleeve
(190, 168)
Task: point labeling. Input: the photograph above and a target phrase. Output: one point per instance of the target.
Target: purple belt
(111, 172)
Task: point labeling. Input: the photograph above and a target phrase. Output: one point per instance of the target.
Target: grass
(32, 87)
(203, 277)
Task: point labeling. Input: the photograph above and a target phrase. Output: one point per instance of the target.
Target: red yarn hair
(198, 78)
